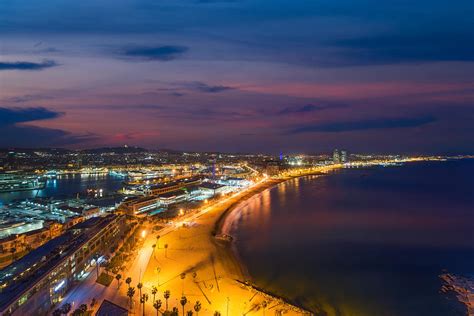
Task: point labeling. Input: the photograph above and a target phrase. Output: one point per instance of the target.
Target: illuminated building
(17, 245)
(173, 186)
(173, 197)
(343, 156)
(235, 182)
(19, 226)
(10, 182)
(31, 285)
(336, 157)
(138, 205)
(211, 189)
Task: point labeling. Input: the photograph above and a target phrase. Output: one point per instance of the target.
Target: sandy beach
(213, 275)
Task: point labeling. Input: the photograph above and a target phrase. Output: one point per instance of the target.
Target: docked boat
(16, 182)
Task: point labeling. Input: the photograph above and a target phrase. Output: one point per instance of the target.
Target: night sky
(239, 76)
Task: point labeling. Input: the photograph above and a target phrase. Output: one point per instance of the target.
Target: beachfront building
(235, 182)
(139, 205)
(36, 282)
(174, 197)
(173, 186)
(142, 206)
(212, 189)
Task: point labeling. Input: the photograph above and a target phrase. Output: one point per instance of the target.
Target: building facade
(33, 284)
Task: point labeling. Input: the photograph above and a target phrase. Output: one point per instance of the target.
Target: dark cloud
(161, 53)
(126, 107)
(27, 65)
(12, 116)
(179, 89)
(27, 98)
(31, 136)
(203, 87)
(47, 50)
(380, 123)
(307, 108)
(177, 94)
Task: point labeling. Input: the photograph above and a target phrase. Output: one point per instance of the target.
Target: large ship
(16, 182)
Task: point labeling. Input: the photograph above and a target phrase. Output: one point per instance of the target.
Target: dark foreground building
(33, 284)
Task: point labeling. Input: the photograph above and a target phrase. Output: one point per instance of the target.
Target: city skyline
(237, 76)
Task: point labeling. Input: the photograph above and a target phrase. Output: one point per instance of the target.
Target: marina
(10, 182)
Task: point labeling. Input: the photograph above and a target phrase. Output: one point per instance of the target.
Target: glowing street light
(143, 233)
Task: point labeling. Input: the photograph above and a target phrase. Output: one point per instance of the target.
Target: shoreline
(220, 223)
(193, 261)
(225, 221)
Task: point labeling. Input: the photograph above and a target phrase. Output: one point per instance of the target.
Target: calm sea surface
(363, 242)
(68, 186)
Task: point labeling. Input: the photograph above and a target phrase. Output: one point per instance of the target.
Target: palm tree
(264, 305)
(157, 241)
(154, 290)
(143, 300)
(167, 295)
(189, 313)
(57, 312)
(216, 313)
(183, 302)
(157, 305)
(83, 307)
(128, 281)
(153, 252)
(175, 311)
(66, 308)
(139, 287)
(131, 293)
(182, 276)
(80, 311)
(197, 307)
(166, 250)
(118, 277)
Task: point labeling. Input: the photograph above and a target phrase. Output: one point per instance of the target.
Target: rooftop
(177, 182)
(173, 194)
(210, 185)
(107, 308)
